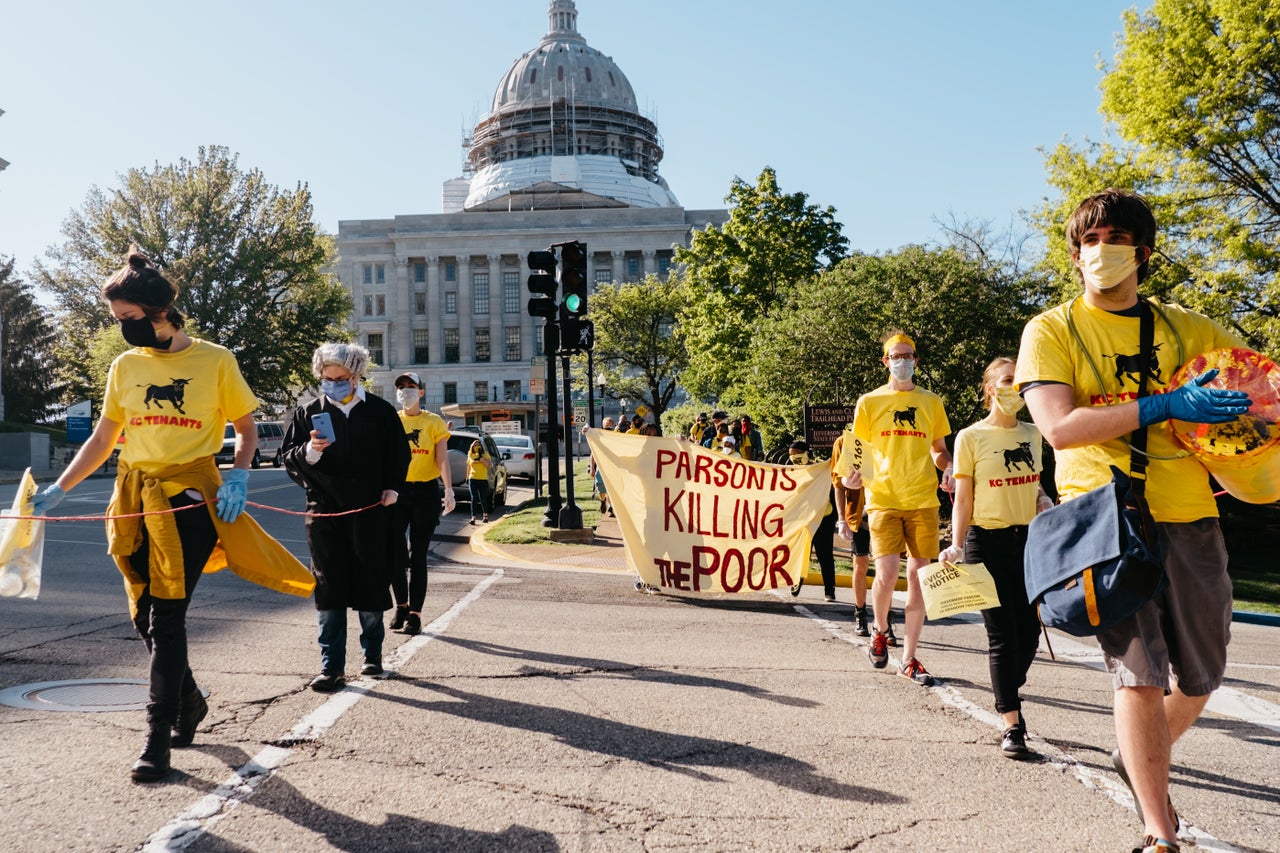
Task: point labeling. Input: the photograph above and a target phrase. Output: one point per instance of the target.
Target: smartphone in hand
(322, 423)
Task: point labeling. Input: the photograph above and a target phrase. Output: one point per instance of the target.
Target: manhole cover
(98, 694)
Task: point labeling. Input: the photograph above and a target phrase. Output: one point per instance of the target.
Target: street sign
(538, 375)
(580, 415)
(641, 410)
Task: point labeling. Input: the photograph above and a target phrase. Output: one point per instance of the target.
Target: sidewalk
(605, 552)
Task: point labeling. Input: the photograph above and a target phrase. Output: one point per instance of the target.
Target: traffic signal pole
(551, 339)
(570, 515)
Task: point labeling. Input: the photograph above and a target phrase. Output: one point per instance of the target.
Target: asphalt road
(562, 710)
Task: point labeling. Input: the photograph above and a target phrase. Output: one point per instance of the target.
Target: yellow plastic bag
(951, 588)
(21, 545)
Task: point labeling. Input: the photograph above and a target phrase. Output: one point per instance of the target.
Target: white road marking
(210, 809)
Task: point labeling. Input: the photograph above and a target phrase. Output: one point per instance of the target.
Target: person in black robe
(361, 467)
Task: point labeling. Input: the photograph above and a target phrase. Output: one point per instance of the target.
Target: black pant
(824, 547)
(162, 622)
(418, 511)
(1013, 629)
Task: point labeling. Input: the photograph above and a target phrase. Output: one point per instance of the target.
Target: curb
(1249, 617)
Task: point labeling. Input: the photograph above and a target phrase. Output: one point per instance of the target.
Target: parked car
(517, 453)
(270, 440)
(459, 443)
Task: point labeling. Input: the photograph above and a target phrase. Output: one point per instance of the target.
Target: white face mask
(408, 397)
(1008, 400)
(1105, 265)
(902, 370)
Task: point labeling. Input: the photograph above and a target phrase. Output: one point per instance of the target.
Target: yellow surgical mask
(1105, 265)
(1008, 400)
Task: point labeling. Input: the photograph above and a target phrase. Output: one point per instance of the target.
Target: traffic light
(576, 334)
(543, 283)
(573, 278)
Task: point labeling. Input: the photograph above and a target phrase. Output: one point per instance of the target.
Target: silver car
(518, 454)
(459, 443)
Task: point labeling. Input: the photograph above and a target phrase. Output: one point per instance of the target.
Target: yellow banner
(697, 521)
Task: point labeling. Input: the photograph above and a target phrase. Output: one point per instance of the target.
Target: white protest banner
(697, 521)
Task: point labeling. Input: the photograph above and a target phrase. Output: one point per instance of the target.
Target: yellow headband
(898, 339)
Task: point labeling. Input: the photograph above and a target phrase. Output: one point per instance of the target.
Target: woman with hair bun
(174, 393)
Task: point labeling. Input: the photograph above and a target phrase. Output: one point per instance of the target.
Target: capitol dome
(564, 131)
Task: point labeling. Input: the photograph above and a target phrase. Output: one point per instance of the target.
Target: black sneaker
(860, 622)
(878, 651)
(412, 625)
(371, 667)
(326, 683)
(1014, 743)
(402, 613)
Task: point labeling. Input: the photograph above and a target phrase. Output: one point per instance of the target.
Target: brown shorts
(1187, 628)
(912, 530)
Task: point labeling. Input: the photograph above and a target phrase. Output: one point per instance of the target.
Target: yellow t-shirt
(424, 430)
(1177, 489)
(901, 426)
(174, 405)
(1005, 464)
(476, 469)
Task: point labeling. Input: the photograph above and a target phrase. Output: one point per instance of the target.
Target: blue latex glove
(1194, 403)
(232, 494)
(47, 500)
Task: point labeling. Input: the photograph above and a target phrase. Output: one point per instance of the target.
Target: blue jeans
(333, 638)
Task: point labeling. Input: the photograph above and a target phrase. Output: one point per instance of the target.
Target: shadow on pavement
(582, 666)
(684, 754)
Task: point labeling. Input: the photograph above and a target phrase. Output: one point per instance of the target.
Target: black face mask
(139, 332)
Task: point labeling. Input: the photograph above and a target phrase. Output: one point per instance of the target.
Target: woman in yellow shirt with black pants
(998, 492)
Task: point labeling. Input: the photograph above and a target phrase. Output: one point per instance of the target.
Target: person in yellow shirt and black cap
(427, 487)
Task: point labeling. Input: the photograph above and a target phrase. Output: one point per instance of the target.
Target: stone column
(466, 326)
(400, 316)
(435, 311)
(650, 262)
(619, 265)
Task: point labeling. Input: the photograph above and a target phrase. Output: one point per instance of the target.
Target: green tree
(1194, 94)
(635, 346)
(738, 272)
(247, 258)
(824, 345)
(26, 360)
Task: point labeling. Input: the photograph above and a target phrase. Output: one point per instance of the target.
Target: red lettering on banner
(771, 524)
(670, 510)
(781, 556)
(758, 568)
(665, 458)
(702, 469)
(715, 519)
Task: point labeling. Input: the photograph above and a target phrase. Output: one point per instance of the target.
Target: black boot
(153, 764)
(397, 621)
(860, 622)
(190, 713)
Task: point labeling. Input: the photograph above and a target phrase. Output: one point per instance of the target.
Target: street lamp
(600, 382)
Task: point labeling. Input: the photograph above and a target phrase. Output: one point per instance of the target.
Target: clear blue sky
(894, 113)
